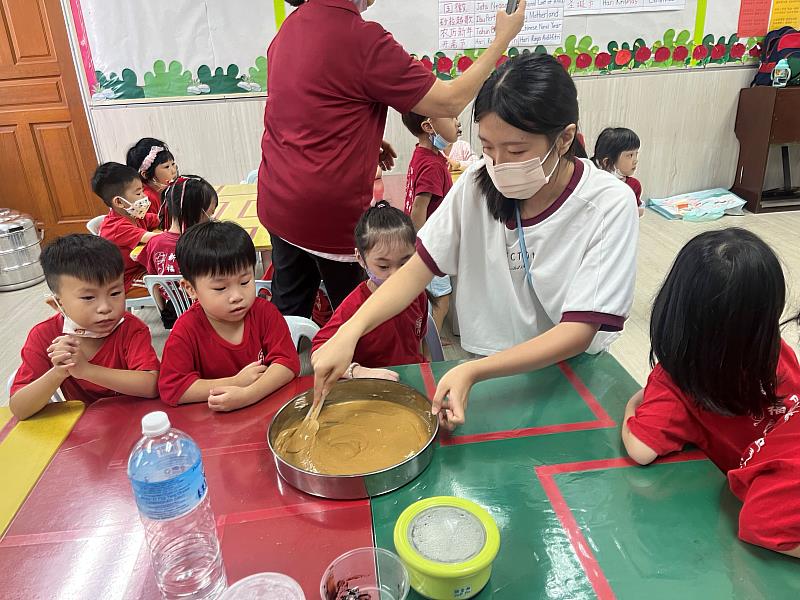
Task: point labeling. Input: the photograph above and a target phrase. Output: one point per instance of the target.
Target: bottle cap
(155, 423)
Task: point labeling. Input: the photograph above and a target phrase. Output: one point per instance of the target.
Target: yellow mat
(5, 416)
(28, 449)
(235, 189)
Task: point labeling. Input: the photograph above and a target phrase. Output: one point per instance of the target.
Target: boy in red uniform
(91, 348)
(427, 183)
(230, 349)
(127, 223)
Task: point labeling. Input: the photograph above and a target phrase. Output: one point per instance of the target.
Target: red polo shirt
(332, 76)
(126, 233)
(428, 173)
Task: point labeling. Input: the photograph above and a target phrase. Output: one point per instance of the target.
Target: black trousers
(298, 274)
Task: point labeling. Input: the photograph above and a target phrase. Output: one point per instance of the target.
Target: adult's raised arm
(450, 98)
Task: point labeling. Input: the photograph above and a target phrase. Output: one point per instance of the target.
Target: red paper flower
(737, 51)
(564, 60)
(623, 57)
(718, 51)
(444, 64)
(643, 54)
(503, 58)
(426, 62)
(602, 60)
(583, 61)
(662, 54)
(680, 54)
(755, 51)
(464, 63)
(699, 53)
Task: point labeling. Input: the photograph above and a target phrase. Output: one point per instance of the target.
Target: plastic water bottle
(169, 484)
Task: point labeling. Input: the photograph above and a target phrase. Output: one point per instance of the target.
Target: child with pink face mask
(384, 242)
(543, 244)
(129, 221)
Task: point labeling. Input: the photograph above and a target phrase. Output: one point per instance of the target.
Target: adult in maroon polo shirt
(332, 77)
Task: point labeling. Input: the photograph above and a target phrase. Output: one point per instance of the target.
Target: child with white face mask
(617, 151)
(90, 348)
(543, 243)
(128, 222)
(384, 243)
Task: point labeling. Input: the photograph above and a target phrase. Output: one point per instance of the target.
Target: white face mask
(520, 180)
(361, 5)
(138, 208)
(619, 174)
(72, 328)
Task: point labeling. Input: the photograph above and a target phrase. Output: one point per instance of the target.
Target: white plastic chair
(57, 397)
(302, 331)
(252, 177)
(171, 284)
(94, 224)
(263, 284)
(433, 341)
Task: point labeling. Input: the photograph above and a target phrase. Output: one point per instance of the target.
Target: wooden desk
(541, 451)
(766, 116)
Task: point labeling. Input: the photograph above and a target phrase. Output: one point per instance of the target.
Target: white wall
(685, 121)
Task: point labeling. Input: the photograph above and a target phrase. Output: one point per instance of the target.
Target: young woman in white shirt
(543, 244)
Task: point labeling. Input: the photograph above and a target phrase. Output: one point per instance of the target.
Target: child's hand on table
(250, 374)
(452, 396)
(228, 398)
(365, 373)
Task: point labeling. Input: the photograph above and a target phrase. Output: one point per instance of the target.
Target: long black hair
(610, 145)
(186, 200)
(715, 327)
(534, 93)
(139, 151)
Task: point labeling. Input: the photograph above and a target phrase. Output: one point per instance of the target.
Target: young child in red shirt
(427, 183)
(385, 240)
(127, 223)
(230, 349)
(188, 201)
(155, 163)
(724, 376)
(617, 151)
(91, 348)
(767, 482)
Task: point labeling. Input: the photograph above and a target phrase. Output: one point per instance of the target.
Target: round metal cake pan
(367, 485)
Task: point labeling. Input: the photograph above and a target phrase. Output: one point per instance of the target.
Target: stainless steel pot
(19, 251)
(350, 487)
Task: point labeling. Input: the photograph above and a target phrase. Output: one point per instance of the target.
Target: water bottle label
(173, 497)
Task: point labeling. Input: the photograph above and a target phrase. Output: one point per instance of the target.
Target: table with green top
(540, 452)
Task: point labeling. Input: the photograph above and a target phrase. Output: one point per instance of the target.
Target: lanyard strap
(523, 248)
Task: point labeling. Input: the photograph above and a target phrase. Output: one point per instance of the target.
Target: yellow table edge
(27, 451)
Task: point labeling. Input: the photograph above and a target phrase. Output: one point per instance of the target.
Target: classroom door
(46, 150)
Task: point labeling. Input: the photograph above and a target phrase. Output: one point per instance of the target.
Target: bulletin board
(149, 49)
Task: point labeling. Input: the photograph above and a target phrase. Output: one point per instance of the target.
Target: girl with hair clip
(543, 244)
(188, 201)
(725, 381)
(384, 242)
(155, 163)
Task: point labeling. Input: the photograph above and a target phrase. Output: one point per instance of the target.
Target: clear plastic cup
(365, 574)
(265, 586)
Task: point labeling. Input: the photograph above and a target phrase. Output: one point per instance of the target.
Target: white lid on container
(155, 423)
(266, 586)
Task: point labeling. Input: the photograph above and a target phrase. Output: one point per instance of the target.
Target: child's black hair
(139, 151)
(214, 248)
(382, 221)
(186, 200)
(611, 143)
(715, 327)
(413, 123)
(110, 180)
(534, 93)
(82, 256)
